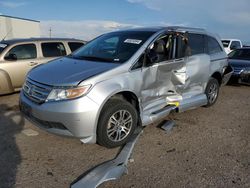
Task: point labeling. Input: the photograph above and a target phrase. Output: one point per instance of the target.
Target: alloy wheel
(212, 93)
(119, 125)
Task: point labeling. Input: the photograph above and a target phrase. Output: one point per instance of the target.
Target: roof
(169, 28)
(232, 39)
(19, 18)
(13, 41)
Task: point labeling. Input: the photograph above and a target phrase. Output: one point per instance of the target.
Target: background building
(14, 27)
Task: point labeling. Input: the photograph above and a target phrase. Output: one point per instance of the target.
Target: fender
(5, 83)
(101, 94)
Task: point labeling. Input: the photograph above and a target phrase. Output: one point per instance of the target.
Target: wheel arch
(127, 95)
(5, 83)
(217, 76)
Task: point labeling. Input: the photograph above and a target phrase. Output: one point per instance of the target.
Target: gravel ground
(208, 147)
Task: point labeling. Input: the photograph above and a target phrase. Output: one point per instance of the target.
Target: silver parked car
(125, 79)
(19, 56)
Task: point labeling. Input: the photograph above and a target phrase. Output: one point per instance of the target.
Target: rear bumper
(74, 118)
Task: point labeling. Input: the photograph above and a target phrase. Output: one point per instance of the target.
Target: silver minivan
(19, 56)
(124, 79)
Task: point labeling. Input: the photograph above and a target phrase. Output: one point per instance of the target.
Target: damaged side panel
(160, 81)
(179, 81)
(196, 77)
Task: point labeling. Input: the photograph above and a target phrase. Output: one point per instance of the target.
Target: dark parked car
(240, 61)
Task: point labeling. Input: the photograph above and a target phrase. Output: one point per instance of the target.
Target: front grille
(35, 91)
(237, 70)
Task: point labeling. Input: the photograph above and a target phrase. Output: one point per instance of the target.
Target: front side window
(161, 49)
(213, 46)
(53, 49)
(22, 51)
(115, 47)
(235, 45)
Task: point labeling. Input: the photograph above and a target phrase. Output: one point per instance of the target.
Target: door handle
(179, 71)
(33, 63)
(178, 60)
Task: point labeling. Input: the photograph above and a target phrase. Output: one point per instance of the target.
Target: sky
(86, 19)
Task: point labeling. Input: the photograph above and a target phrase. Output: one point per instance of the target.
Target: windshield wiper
(93, 58)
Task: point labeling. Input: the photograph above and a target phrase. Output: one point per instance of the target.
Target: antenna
(50, 30)
(7, 34)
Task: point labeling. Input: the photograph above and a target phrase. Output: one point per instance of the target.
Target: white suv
(231, 44)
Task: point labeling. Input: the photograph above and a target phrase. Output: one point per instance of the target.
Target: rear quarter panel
(218, 62)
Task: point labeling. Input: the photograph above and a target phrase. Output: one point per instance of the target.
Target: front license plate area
(26, 109)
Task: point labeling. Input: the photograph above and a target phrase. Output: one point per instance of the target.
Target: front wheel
(212, 91)
(117, 123)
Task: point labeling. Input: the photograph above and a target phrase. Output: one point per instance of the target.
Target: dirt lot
(208, 147)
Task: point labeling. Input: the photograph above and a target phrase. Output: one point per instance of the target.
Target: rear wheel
(117, 123)
(212, 91)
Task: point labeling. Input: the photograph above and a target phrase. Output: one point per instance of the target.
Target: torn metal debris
(109, 170)
(168, 126)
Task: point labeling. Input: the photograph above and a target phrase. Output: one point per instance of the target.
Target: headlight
(69, 93)
(246, 71)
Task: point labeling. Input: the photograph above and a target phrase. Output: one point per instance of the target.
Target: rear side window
(190, 44)
(196, 43)
(53, 49)
(225, 43)
(23, 51)
(74, 45)
(213, 46)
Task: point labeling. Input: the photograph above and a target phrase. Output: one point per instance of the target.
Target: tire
(212, 91)
(117, 123)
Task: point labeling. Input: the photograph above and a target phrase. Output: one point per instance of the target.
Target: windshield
(2, 47)
(225, 43)
(115, 47)
(243, 54)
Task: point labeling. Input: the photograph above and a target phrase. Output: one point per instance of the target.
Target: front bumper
(245, 77)
(74, 118)
(237, 71)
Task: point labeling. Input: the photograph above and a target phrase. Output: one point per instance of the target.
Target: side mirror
(152, 57)
(11, 57)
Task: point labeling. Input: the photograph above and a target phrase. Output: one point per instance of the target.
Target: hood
(239, 63)
(67, 71)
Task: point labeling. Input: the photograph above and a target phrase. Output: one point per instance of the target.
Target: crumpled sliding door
(162, 80)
